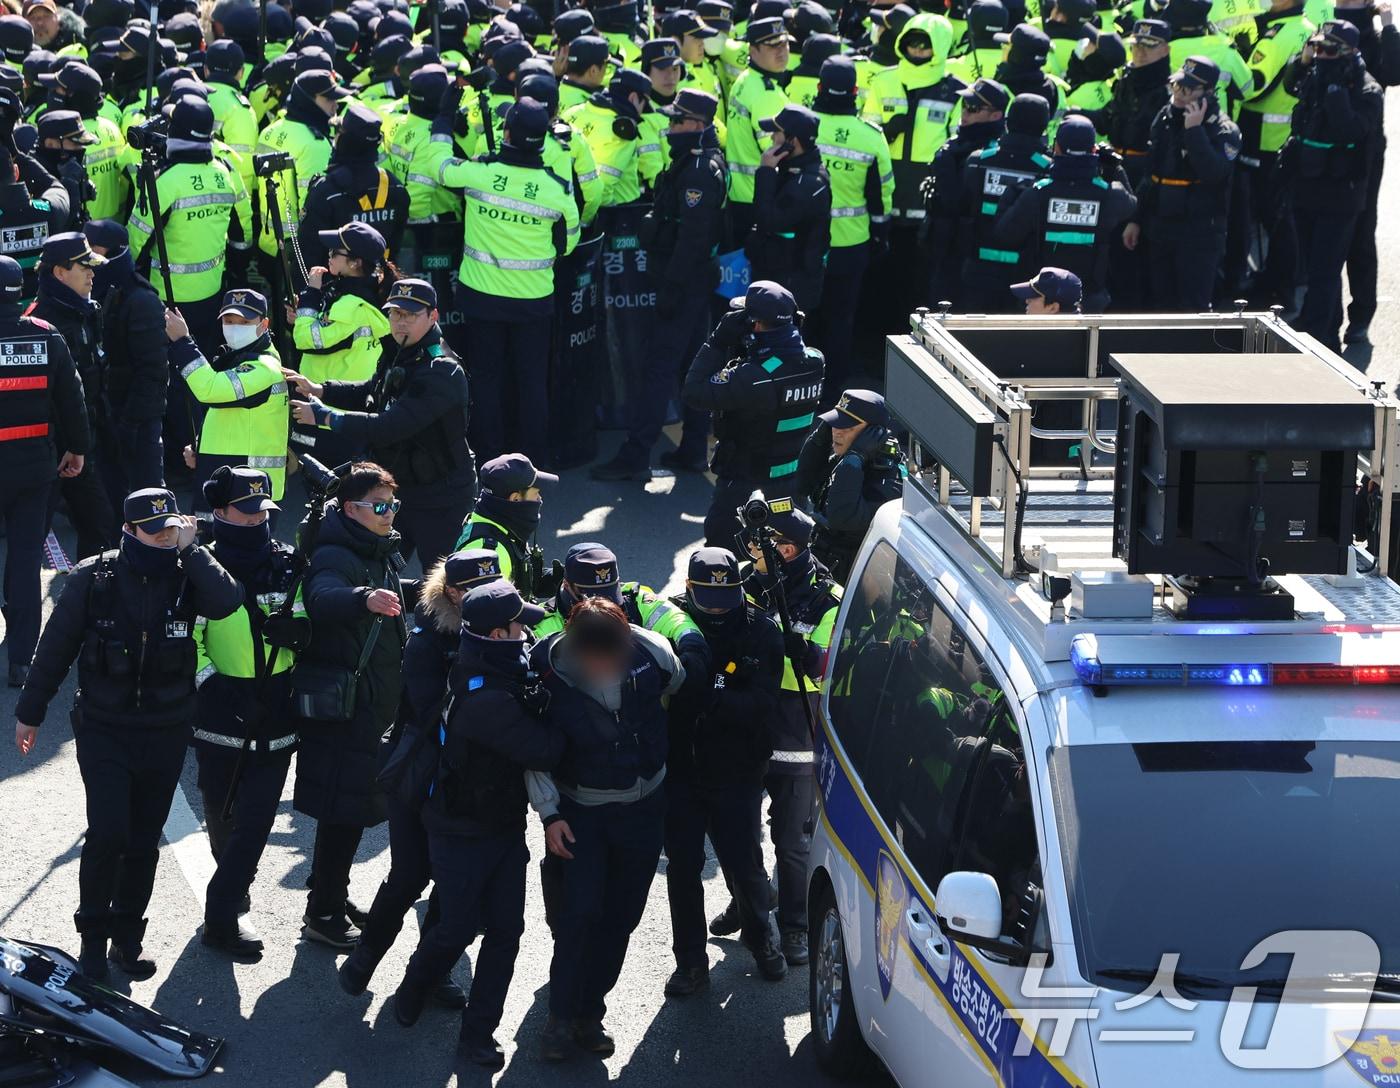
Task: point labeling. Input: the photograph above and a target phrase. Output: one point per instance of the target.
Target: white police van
(1078, 825)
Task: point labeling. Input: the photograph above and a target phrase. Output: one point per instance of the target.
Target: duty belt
(1128, 152)
(1173, 181)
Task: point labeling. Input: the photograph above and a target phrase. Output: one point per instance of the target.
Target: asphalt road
(288, 1024)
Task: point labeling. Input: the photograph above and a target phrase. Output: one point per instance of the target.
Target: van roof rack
(1039, 494)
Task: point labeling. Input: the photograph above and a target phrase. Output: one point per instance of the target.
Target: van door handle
(919, 928)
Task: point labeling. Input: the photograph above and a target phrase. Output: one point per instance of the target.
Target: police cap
(360, 123)
(387, 52)
(690, 103)
(1076, 135)
(428, 84)
(64, 125)
(74, 78)
(343, 30)
(713, 581)
(471, 567)
(496, 35)
(1197, 71)
(892, 19)
(1028, 114)
(225, 57)
(1339, 34)
(855, 407)
(191, 119)
(809, 18)
(107, 233)
(11, 280)
(16, 38)
(413, 295)
(512, 472)
(629, 81)
(766, 31)
(497, 604)
(1187, 17)
(675, 24)
(249, 489)
(531, 24)
(987, 16)
(186, 84)
(572, 24)
(768, 301)
(310, 36)
(541, 86)
(418, 57)
(1152, 32)
(320, 81)
(358, 239)
(311, 59)
(591, 570)
(108, 15)
(528, 121)
(985, 94)
(1027, 42)
(151, 508)
(1076, 10)
(661, 53)
(510, 56)
(1053, 285)
(587, 50)
(184, 30)
(815, 51)
(70, 247)
(245, 302)
(718, 14)
(391, 23)
(837, 76)
(792, 525)
(797, 122)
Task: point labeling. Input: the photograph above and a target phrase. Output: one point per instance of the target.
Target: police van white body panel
(935, 1011)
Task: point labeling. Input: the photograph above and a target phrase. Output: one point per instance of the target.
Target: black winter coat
(133, 336)
(339, 761)
(81, 331)
(792, 226)
(334, 199)
(59, 403)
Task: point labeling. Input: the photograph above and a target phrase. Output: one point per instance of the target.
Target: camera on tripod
(149, 135)
(322, 483)
(271, 162)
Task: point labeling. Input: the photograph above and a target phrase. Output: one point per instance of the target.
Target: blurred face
(410, 326)
(76, 276)
(843, 437)
(665, 80)
(1183, 94)
(1144, 54)
(375, 511)
(163, 538)
(235, 516)
(601, 668)
(693, 48)
(772, 56)
(45, 24)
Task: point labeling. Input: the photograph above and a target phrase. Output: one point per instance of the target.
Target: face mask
(239, 336)
(241, 545)
(147, 560)
(683, 143)
(1081, 48)
(714, 46)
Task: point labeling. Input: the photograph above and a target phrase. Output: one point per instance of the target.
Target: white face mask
(714, 46)
(1082, 47)
(239, 336)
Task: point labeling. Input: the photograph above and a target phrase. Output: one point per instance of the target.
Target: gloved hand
(879, 239)
(795, 646)
(732, 329)
(549, 583)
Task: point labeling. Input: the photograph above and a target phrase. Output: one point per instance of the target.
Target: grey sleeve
(664, 656)
(544, 794)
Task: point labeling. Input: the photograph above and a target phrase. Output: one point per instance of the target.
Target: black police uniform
(416, 427)
(944, 201)
(354, 187)
(256, 709)
(41, 399)
(475, 819)
(1184, 204)
(77, 321)
(127, 617)
(29, 219)
(792, 224)
(682, 235)
(65, 165)
(718, 752)
(138, 374)
(1070, 219)
(1126, 122)
(1327, 161)
(764, 388)
(1014, 161)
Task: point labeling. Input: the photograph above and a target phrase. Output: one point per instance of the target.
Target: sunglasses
(380, 508)
(1327, 49)
(342, 253)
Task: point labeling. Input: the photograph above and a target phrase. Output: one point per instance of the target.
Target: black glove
(795, 646)
(548, 587)
(731, 330)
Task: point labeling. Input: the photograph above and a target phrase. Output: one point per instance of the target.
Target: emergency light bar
(1093, 671)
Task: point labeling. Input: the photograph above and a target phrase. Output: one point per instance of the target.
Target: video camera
(271, 162)
(322, 483)
(478, 79)
(149, 135)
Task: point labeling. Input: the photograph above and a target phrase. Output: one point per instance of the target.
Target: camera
(321, 482)
(478, 79)
(149, 135)
(271, 162)
(757, 510)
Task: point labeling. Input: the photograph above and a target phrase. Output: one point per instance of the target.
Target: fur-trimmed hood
(434, 604)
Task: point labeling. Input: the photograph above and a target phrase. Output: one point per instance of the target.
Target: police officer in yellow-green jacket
(505, 519)
(242, 390)
(339, 327)
(243, 680)
(756, 95)
(857, 160)
(612, 122)
(78, 87)
(207, 212)
(692, 32)
(235, 124)
(566, 152)
(520, 218)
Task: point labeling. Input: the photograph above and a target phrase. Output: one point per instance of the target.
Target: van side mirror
(967, 908)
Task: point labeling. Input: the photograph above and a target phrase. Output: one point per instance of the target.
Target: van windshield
(1205, 849)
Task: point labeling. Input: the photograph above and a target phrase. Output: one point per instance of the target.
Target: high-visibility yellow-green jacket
(755, 96)
(225, 647)
(339, 342)
(428, 200)
(623, 45)
(706, 77)
(644, 607)
(567, 153)
(237, 126)
(105, 169)
(1266, 118)
(976, 64)
(851, 148)
(573, 94)
(200, 202)
(619, 160)
(246, 397)
(820, 636)
(311, 153)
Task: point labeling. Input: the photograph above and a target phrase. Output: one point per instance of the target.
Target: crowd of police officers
(342, 240)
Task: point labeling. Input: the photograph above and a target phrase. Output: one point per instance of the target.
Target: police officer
(127, 617)
(506, 517)
(817, 49)
(416, 425)
(605, 678)
(1328, 159)
(756, 95)
(1011, 163)
(243, 391)
(568, 27)
(661, 63)
(66, 269)
(476, 816)
(45, 400)
(1092, 70)
(354, 188)
(682, 235)
(1023, 70)
(1192, 34)
(978, 54)
(1072, 215)
(407, 777)
(586, 66)
(611, 121)
(63, 142)
(434, 212)
(813, 600)
(718, 750)
(1064, 24)
(1138, 96)
(693, 34)
(235, 123)
(29, 219)
(243, 743)
(1051, 291)
(78, 87)
(791, 208)
(851, 466)
(1184, 200)
(515, 232)
(764, 383)
(138, 373)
